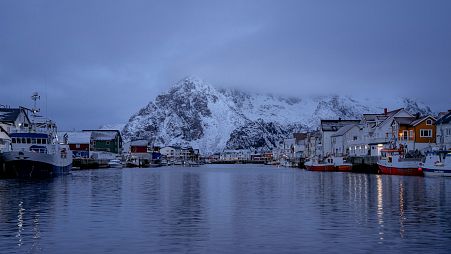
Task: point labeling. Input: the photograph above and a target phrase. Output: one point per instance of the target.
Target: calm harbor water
(225, 209)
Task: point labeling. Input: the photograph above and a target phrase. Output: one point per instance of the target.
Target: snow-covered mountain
(195, 113)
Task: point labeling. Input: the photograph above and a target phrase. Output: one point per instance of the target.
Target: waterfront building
(329, 128)
(171, 152)
(443, 125)
(313, 145)
(14, 119)
(105, 141)
(414, 133)
(348, 141)
(79, 142)
(377, 131)
(235, 155)
(141, 149)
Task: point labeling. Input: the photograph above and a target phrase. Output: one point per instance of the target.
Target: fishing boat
(132, 162)
(437, 163)
(315, 164)
(331, 163)
(341, 165)
(36, 151)
(395, 162)
(115, 163)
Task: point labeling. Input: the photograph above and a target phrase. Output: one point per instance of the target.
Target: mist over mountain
(195, 113)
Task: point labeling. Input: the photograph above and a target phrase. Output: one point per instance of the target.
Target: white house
(313, 145)
(233, 155)
(14, 118)
(348, 140)
(444, 131)
(171, 152)
(329, 128)
(377, 130)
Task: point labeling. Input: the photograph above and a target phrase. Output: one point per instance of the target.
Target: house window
(77, 146)
(448, 131)
(425, 133)
(404, 135)
(354, 138)
(14, 140)
(429, 122)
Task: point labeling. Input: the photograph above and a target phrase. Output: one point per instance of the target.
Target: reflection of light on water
(20, 223)
(380, 207)
(36, 232)
(401, 210)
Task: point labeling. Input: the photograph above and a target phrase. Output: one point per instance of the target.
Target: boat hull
(408, 171)
(320, 167)
(436, 171)
(343, 168)
(34, 165)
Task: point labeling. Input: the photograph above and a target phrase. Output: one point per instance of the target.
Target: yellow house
(415, 133)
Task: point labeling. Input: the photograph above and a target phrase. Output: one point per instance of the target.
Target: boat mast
(35, 97)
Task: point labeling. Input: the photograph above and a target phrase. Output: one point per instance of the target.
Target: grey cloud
(99, 61)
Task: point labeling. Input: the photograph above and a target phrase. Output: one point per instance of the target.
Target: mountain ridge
(194, 113)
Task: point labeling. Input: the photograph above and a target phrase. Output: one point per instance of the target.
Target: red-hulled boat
(341, 165)
(315, 165)
(330, 164)
(394, 162)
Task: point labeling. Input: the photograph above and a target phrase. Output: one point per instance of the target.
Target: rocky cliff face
(195, 113)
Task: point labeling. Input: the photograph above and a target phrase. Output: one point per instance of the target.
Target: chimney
(385, 111)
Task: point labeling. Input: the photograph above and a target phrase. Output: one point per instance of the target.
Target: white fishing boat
(395, 162)
(437, 163)
(115, 163)
(36, 151)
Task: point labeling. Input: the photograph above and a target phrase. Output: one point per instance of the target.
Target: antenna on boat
(35, 109)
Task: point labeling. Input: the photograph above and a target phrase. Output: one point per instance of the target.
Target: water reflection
(380, 207)
(223, 209)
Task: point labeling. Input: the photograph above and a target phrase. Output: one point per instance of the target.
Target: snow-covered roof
(420, 120)
(343, 130)
(444, 119)
(404, 120)
(104, 135)
(141, 142)
(76, 137)
(9, 114)
(335, 125)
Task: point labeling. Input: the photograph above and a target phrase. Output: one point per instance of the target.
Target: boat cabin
(36, 142)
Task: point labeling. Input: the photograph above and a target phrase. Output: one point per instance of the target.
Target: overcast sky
(98, 62)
